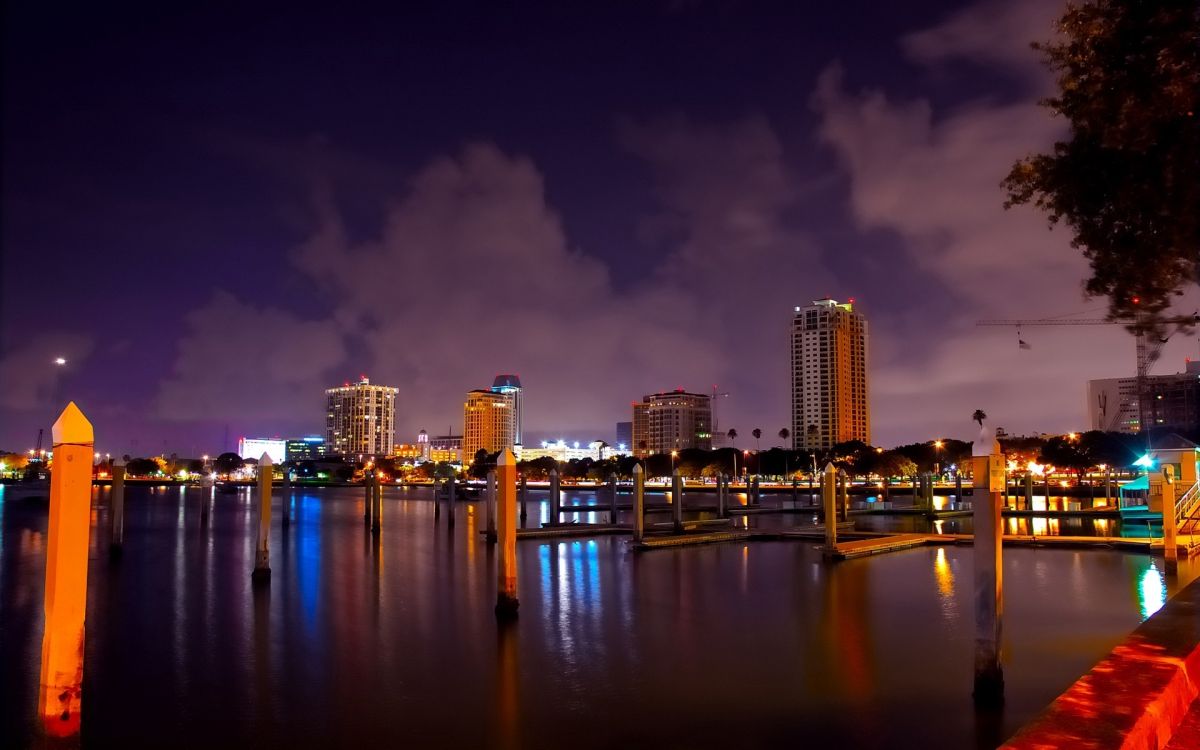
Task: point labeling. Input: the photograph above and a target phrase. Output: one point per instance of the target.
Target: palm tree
(979, 416)
(784, 434)
(757, 433)
(600, 446)
(732, 435)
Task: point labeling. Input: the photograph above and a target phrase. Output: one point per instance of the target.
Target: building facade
(830, 402)
(624, 435)
(489, 422)
(1170, 402)
(672, 420)
(311, 448)
(255, 447)
(446, 449)
(360, 419)
(510, 385)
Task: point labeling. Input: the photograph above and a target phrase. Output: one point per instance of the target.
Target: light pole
(674, 455)
(937, 453)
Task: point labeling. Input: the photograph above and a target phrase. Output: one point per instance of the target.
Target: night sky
(216, 213)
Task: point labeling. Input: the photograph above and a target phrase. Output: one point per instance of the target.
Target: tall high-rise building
(672, 420)
(829, 375)
(1169, 401)
(625, 434)
(511, 386)
(489, 422)
(360, 419)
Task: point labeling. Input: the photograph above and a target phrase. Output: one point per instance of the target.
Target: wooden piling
(524, 499)
(1166, 486)
(795, 492)
(117, 494)
(376, 503)
(1029, 491)
(451, 500)
(639, 503)
(987, 469)
(722, 495)
(506, 593)
(677, 500)
(490, 503)
(438, 489)
(262, 555)
(844, 488)
(829, 502)
(958, 496)
(612, 496)
(65, 594)
(555, 498)
(368, 497)
(285, 491)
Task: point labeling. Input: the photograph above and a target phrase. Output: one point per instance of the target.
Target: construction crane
(713, 404)
(1147, 348)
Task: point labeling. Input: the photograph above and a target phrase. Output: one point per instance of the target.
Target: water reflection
(1152, 591)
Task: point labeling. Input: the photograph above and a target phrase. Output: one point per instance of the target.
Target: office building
(672, 420)
(255, 447)
(446, 449)
(1171, 402)
(360, 419)
(489, 422)
(423, 444)
(829, 375)
(311, 448)
(510, 385)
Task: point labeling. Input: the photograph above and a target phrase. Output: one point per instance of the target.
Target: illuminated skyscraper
(360, 419)
(829, 375)
(489, 422)
(672, 420)
(511, 386)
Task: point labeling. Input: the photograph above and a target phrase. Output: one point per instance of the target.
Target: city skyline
(650, 237)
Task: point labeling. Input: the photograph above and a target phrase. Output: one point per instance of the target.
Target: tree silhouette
(757, 433)
(784, 434)
(732, 435)
(979, 416)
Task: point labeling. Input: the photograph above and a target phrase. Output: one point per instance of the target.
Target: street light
(937, 461)
(674, 455)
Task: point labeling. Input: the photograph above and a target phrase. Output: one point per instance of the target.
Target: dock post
(639, 503)
(795, 492)
(210, 491)
(285, 491)
(117, 493)
(376, 502)
(490, 502)
(524, 499)
(829, 501)
(65, 594)
(1107, 486)
(1163, 486)
(262, 554)
(1029, 491)
(749, 490)
(987, 468)
(844, 485)
(368, 498)
(722, 489)
(929, 490)
(612, 496)
(506, 528)
(677, 500)
(555, 498)
(887, 483)
(958, 498)
(451, 498)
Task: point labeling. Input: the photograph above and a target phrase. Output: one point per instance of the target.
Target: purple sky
(215, 214)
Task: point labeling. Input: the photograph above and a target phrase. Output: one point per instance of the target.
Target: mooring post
(1107, 485)
(1029, 491)
(677, 500)
(209, 485)
(958, 498)
(887, 483)
(490, 503)
(829, 501)
(795, 492)
(65, 594)
(722, 489)
(555, 498)
(612, 496)
(929, 490)
(524, 499)
(285, 491)
(506, 568)
(262, 555)
(376, 502)
(1163, 486)
(639, 503)
(368, 497)
(987, 469)
(451, 499)
(117, 493)
(844, 480)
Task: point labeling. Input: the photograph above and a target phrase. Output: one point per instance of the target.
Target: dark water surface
(391, 641)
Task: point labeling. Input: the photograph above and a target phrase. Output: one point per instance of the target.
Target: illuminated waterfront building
(829, 375)
(408, 452)
(489, 422)
(446, 449)
(360, 419)
(255, 447)
(423, 444)
(311, 448)
(672, 420)
(510, 385)
(561, 450)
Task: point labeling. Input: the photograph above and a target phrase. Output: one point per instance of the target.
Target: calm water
(392, 641)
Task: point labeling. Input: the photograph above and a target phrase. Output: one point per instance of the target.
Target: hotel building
(360, 419)
(489, 422)
(829, 375)
(672, 420)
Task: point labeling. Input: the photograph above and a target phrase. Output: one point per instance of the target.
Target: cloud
(31, 379)
(995, 32)
(244, 363)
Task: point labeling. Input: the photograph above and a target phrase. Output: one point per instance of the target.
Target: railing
(1186, 507)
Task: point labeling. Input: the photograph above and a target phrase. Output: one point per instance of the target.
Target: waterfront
(392, 640)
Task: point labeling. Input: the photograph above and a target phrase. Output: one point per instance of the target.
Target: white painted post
(829, 501)
(262, 556)
(117, 493)
(65, 593)
(987, 499)
(506, 568)
(639, 503)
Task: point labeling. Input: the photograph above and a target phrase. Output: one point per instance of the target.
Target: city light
(60, 361)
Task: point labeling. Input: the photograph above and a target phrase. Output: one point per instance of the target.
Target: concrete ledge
(1138, 696)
